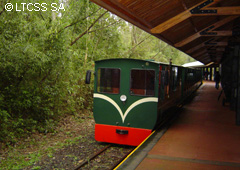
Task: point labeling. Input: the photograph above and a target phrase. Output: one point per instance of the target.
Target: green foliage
(17, 160)
(44, 56)
(141, 45)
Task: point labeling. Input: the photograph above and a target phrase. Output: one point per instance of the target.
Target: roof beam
(179, 18)
(185, 7)
(220, 49)
(217, 44)
(205, 30)
(204, 59)
(208, 43)
(217, 50)
(195, 48)
(223, 11)
(200, 53)
(217, 33)
(201, 11)
(171, 22)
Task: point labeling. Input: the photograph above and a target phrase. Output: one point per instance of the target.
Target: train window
(142, 82)
(108, 80)
(174, 78)
(190, 76)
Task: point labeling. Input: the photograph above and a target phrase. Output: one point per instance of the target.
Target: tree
(44, 56)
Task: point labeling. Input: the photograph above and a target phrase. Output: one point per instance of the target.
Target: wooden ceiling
(203, 29)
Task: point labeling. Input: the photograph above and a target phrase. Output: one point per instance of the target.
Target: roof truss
(200, 28)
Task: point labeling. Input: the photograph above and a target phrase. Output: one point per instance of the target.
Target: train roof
(124, 59)
(130, 59)
(194, 64)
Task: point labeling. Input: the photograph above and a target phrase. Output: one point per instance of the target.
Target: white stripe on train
(123, 116)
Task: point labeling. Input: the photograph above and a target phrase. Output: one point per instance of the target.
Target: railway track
(97, 155)
(168, 120)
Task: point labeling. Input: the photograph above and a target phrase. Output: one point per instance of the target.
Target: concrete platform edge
(136, 158)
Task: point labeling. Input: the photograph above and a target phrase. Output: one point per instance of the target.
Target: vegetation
(44, 56)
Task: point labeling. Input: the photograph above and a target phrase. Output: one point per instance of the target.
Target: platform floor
(204, 137)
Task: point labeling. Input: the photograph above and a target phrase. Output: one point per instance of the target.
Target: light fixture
(123, 98)
(210, 63)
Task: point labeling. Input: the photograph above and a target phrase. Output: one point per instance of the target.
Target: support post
(210, 73)
(204, 73)
(234, 81)
(237, 54)
(208, 70)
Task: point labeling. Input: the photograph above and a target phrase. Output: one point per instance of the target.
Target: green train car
(131, 97)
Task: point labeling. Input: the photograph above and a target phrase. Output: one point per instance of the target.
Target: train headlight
(123, 98)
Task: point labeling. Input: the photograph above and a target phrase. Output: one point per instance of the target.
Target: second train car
(131, 97)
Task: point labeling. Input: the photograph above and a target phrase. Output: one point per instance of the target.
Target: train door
(142, 101)
(163, 82)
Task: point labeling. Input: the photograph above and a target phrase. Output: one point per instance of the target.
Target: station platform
(204, 136)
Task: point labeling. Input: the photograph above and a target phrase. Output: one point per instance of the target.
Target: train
(131, 97)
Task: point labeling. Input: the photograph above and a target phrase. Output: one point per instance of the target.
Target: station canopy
(204, 29)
